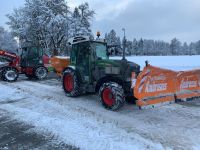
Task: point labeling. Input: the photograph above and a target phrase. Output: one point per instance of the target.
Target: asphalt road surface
(16, 135)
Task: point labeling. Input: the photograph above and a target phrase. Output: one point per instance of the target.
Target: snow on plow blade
(156, 85)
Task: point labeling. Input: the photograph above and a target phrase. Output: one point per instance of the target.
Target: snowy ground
(82, 122)
(16, 135)
(179, 63)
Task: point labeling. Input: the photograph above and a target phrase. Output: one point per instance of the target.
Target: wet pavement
(51, 79)
(15, 135)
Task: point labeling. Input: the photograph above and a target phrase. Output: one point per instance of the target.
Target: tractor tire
(71, 83)
(112, 96)
(40, 73)
(10, 74)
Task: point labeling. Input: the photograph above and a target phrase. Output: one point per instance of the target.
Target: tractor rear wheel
(10, 74)
(71, 83)
(112, 96)
(40, 73)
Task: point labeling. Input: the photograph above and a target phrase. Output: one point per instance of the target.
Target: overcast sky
(150, 19)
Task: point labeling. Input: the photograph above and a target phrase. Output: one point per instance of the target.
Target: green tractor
(91, 70)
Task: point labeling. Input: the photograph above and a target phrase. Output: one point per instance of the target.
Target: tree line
(7, 41)
(150, 47)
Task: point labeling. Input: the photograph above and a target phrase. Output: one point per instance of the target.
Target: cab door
(33, 57)
(83, 61)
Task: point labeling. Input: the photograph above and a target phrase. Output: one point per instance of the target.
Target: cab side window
(33, 53)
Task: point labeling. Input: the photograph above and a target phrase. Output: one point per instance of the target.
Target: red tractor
(33, 63)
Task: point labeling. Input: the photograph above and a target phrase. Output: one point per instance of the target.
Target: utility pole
(124, 43)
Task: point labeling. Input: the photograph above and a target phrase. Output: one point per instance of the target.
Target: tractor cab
(31, 56)
(32, 63)
(84, 55)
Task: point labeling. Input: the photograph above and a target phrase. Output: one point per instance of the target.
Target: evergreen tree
(175, 46)
(86, 16)
(135, 47)
(49, 23)
(114, 42)
(185, 49)
(7, 41)
(198, 48)
(141, 47)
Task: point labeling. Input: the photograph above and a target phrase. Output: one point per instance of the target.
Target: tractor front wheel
(71, 83)
(112, 96)
(10, 74)
(40, 73)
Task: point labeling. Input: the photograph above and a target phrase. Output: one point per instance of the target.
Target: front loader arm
(13, 59)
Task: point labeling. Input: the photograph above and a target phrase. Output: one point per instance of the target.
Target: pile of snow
(178, 63)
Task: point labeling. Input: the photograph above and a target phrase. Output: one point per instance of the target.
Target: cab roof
(81, 39)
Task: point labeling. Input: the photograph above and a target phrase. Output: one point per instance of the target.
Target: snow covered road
(84, 123)
(16, 135)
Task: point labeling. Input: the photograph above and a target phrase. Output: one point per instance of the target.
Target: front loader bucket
(155, 85)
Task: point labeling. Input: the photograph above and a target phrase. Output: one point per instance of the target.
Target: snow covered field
(84, 123)
(179, 63)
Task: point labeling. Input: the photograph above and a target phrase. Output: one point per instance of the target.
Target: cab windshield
(101, 50)
(31, 52)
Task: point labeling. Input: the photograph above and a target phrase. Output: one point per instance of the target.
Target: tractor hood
(118, 66)
(108, 63)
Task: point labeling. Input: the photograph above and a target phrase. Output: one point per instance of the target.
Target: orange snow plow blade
(155, 85)
(59, 64)
(188, 84)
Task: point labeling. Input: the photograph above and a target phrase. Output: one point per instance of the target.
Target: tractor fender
(108, 79)
(69, 67)
(74, 69)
